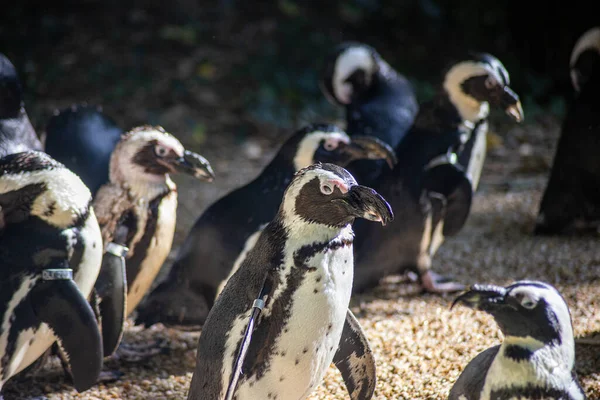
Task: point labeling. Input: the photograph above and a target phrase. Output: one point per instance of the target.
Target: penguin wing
(355, 361)
(61, 305)
(451, 181)
(83, 138)
(110, 204)
(111, 290)
(471, 381)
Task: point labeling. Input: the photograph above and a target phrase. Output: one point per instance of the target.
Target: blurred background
(232, 78)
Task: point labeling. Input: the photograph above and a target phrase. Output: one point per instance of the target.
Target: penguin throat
(469, 108)
(148, 190)
(300, 229)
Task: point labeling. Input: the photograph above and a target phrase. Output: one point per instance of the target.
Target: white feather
(352, 59)
(305, 154)
(589, 40)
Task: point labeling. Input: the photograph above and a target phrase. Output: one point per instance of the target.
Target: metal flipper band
(61, 274)
(448, 158)
(116, 249)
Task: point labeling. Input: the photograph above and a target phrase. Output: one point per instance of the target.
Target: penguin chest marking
(13, 353)
(312, 329)
(478, 155)
(145, 263)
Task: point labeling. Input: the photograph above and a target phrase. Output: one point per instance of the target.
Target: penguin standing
(571, 201)
(302, 266)
(51, 250)
(16, 133)
(428, 189)
(224, 233)
(536, 360)
(379, 101)
(136, 209)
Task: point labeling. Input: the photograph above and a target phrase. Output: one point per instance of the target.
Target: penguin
(571, 202)
(378, 100)
(225, 232)
(302, 267)
(51, 251)
(136, 207)
(82, 137)
(16, 132)
(429, 190)
(536, 360)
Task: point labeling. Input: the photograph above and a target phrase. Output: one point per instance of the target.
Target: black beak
(370, 148)
(512, 105)
(195, 165)
(483, 297)
(366, 203)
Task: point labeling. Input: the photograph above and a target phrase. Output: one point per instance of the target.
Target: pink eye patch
(339, 184)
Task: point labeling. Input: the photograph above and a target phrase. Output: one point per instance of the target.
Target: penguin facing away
(378, 100)
(536, 360)
(429, 190)
(571, 201)
(51, 250)
(223, 234)
(16, 132)
(303, 264)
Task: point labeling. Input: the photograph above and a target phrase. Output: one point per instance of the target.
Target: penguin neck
(144, 190)
(563, 350)
(469, 108)
(303, 232)
(17, 134)
(278, 173)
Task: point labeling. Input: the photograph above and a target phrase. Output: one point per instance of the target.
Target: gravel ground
(420, 345)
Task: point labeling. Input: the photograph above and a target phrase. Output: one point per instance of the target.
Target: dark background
(249, 67)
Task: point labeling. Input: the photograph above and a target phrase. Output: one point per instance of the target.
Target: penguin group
(267, 272)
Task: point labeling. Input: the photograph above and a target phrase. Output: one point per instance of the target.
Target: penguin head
(11, 93)
(328, 144)
(147, 154)
(585, 58)
(34, 184)
(349, 73)
(529, 313)
(476, 83)
(327, 194)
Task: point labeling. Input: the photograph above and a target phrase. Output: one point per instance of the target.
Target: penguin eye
(526, 301)
(326, 188)
(160, 150)
(329, 145)
(490, 82)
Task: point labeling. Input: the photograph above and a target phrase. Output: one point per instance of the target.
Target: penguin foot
(108, 376)
(133, 353)
(432, 282)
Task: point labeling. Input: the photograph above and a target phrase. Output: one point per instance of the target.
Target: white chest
(478, 155)
(310, 337)
(157, 252)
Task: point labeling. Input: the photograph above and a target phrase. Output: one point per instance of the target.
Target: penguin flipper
(354, 359)
(451, 181)
(61, 305)
(471, 381)
(111, 288)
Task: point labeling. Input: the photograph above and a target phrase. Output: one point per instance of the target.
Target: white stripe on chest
(157, 252)
(478, 155)
(310, 337)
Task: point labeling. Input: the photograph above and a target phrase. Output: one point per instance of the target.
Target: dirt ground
(188, 80)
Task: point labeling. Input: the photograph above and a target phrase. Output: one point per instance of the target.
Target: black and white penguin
(225, 232)
(302, 266)
(378, 100)
(428, 189)
(16, 132)
(51, 251)
(536, 360)
(571, 202)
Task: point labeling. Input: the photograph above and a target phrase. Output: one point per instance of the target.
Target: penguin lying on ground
(428, 189)
(302, 267)
(571, 202)
(229, 228)
(536, 360)
(379, 101)
(135, 209)
(51, 250)
(16, 133)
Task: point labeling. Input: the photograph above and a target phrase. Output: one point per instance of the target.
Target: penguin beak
(366, 203)
(370, 148)
(194, 164)
(512, 105)
(483, 297)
